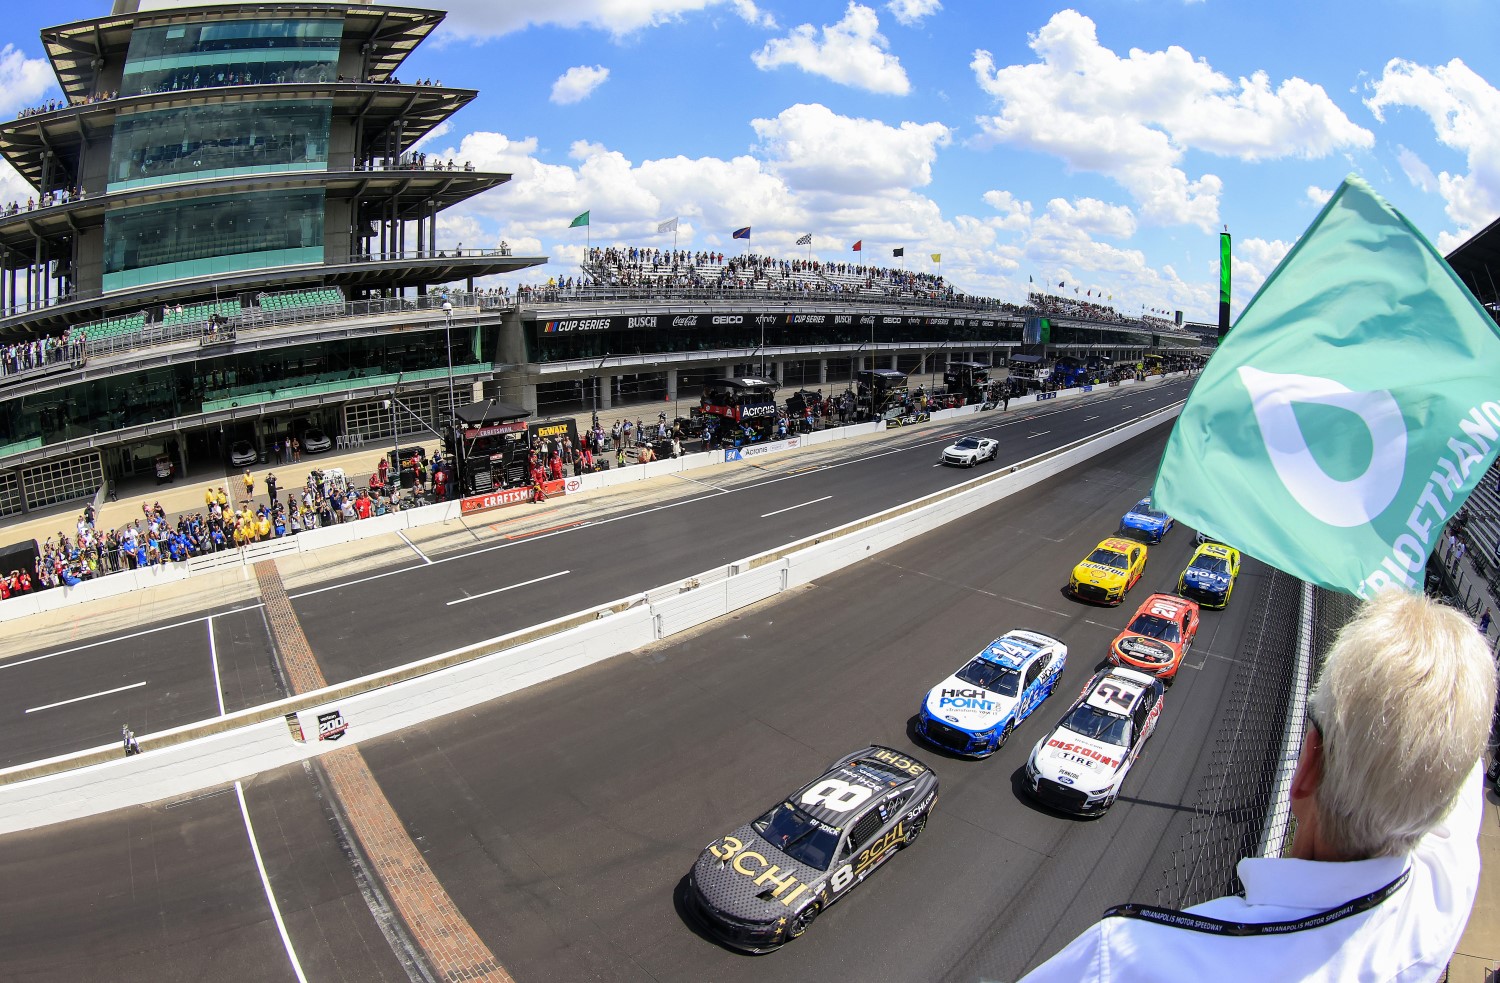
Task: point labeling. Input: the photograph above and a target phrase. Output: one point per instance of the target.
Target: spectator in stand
(1387, 795)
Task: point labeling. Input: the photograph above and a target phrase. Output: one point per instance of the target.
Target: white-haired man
(1387, 795)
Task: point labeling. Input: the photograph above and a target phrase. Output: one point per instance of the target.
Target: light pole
(452, 400)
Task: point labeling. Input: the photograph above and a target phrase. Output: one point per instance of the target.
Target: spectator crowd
(67, 348)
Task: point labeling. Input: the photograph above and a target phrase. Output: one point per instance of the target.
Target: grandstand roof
(1477, 263)
(77, 49)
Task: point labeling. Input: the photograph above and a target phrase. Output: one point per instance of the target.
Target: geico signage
(728, 319)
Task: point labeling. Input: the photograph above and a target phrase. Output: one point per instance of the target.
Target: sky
(1101, 144)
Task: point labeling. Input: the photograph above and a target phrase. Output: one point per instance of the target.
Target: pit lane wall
(214, 752)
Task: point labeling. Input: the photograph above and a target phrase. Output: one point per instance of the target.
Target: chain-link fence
(1243, 808)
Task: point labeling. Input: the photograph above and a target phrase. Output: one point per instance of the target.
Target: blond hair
(1404, 704)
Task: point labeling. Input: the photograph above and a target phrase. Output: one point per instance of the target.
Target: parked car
(315, 441)
(242, 454)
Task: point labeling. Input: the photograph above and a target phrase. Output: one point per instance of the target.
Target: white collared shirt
(1408, 937)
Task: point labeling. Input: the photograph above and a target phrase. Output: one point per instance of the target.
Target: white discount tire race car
(973, 711)
(969, 451)
(1082, 764)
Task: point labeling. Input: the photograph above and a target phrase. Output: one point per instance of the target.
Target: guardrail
(196, 756)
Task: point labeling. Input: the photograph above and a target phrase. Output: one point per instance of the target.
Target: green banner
(1353, 411)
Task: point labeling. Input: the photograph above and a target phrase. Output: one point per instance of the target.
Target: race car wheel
(1004, 736)
(802, 920)
(914, 830)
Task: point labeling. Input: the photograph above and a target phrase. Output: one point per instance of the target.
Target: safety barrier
(183, 760)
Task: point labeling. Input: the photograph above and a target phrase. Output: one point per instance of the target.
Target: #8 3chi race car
(969, 451)
(1210, 575)
(1157, 637)
(1080, 766)
(1108, 572)
(1147, 520)
(974, 710)
(762, 885)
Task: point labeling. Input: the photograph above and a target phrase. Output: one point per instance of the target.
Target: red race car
(1158, 636)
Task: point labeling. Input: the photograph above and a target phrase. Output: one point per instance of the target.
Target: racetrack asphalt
(562, 819)
(71, 696)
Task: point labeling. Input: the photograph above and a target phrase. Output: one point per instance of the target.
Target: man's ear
(1309, 773)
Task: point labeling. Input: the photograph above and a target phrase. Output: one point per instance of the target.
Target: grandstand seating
(195, 313)
(114, 327)
(300, 300)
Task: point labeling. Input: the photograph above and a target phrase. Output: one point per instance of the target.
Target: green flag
(1349, 413)
(581, 220)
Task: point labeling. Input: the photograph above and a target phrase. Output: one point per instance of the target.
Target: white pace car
(1080, 766)
(969, 451)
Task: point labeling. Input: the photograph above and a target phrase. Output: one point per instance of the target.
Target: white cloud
(1134, 118)
(911, 12)
(1463, 108)
(852, 52)
(578, 83)
(23, 81)
(753, 15)
(487, 18)
(1094, 217)
(1318, 196)
(1252, 261)
(1015, 214)
(433, 135)
(815, 149)
(1416, 169)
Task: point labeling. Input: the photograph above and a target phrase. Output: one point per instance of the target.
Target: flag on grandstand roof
(1061, 283)
(1029, 279)
(899, 251)
(805, 240)
(670, 225)
(742, 233)
(580, 220)
(1356, 395)
(937, 257)
(859, 245)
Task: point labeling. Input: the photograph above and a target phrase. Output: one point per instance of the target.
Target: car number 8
(835, 795)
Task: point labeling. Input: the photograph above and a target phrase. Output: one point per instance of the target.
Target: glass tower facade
(236, 52)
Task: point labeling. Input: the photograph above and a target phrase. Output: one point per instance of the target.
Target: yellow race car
(1108, 572)
(1210, 575)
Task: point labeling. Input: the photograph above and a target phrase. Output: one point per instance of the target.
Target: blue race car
(1149, 521)
(973, 711)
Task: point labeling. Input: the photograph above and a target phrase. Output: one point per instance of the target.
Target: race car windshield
(988, 675)
(1148, 512)
(1103, 727)
(967, 444)
(1153, 626)
(1212, 564)
(1108, 558)
(798, 835)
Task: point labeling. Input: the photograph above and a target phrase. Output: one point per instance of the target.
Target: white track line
(1039, 433)
(121, 638)
(265, 881)
(213, 654)
(77, 699)
(502, 590)
(790, 507)
(424, 556)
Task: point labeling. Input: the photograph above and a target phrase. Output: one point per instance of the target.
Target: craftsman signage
(509, 496)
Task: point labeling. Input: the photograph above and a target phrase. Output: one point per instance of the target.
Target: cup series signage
(652, 321)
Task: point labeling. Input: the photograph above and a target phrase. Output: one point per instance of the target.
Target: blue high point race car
(1146, 519)
(973, 711)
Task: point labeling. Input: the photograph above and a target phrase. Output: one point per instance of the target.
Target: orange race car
(1158, 636)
